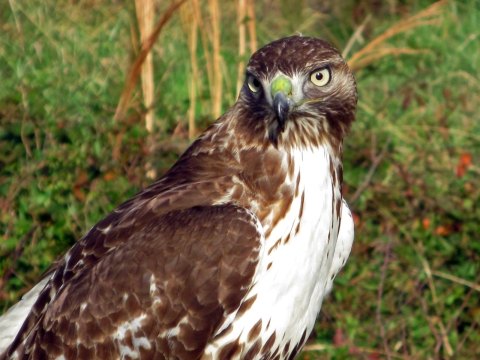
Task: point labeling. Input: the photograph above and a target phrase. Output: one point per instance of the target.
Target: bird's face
(303, 91)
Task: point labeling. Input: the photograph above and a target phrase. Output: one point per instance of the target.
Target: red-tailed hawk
(231, 253)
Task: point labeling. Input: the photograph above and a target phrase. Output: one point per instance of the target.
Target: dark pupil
(256, 83)
(319, 76)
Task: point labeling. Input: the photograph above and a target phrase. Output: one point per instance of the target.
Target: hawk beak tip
(281, 107)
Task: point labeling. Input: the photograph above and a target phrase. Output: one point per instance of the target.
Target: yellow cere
(281, 84)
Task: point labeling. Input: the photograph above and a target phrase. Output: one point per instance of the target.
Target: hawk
(231, 253)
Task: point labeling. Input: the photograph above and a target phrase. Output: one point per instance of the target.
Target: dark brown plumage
(183, 269)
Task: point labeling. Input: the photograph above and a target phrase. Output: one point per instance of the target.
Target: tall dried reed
(135, 70)
(145, 17)
(379, 47)
(216, 87)
(190, 25)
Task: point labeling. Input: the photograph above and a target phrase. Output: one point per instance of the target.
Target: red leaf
(338, 338)
(426, 223)
(466, 160)
(356, 219)
(110, 176)
(460, 171)
(442, 231)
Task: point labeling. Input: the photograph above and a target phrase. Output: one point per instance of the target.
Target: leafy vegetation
(410, 289)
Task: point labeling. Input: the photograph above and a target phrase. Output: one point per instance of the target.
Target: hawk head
(300, 92)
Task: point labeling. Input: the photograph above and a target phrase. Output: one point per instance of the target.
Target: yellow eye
(320, 77)
(253, 84)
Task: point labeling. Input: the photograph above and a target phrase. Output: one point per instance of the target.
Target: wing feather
(163, 290)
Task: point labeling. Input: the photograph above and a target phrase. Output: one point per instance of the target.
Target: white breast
(294, 276)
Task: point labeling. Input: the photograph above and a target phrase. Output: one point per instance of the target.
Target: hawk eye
(253, 84)
(320, 77)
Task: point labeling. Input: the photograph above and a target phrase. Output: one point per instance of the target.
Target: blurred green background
(410, 289)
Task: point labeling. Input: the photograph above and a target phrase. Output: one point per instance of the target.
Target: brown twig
(430, 321)
(16, 255)
(376, 161)
(466, 298)
(466, 336)
(380, 293)
(135, 70)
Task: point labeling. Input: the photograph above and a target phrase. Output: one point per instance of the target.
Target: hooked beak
(282, 103)
(281, 108)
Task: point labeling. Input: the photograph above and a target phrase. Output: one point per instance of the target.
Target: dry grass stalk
(216, 89)
(135, 70)
(376, 48)
(369, 59)
(241, 13)
(190, 23)
(205, 43)
(445, 341)
(458, 280)
(380, 292)
(145, 17)
(246, 19)
(251, 24)
(18, 24)
(356, 36)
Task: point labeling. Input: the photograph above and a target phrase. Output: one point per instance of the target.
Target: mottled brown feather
(107, 306)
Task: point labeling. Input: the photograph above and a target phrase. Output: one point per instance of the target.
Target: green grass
(64, 162)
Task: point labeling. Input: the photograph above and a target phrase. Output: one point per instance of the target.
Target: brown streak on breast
(230, 350)
(298, 347)
(291, 166)
(276, 354)
(333, 201)
(340, 173)
(255, 331)
(246, 305)
(254, 350)
(297, 229)
(274, 246)
(281, 207)
(286, 348)
(287, 239)
(338, 206)
(302, 200)
(297, 185)
(303, 338)
(267, 347)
